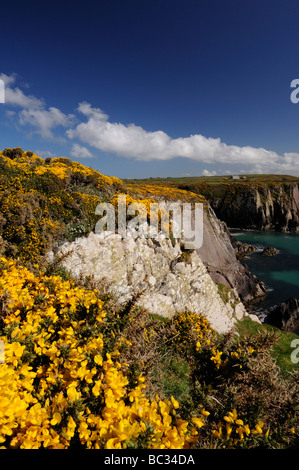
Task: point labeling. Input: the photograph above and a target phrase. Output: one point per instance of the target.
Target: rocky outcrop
(242, 249)
(269, 251)
(219, 257)
(165, 280)
(285, 316)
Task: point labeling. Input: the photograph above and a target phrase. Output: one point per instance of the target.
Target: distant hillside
(247, 201)
(231, 179)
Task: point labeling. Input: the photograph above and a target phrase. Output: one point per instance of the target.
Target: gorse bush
(59, 385)
(226, 376)
(42, 202)
(165, 192)
(82, 371)
(191, 332)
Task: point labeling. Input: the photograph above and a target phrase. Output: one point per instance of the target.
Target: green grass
(281, 350)
(156, 317)
(171, 376)
(224, 292)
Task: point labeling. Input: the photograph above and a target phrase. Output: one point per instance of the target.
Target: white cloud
(45, 154)
(134, 142)
(78, 151)
(44, 120)
(15, 97)
(34, 111)
(209, 173)
(8, 79)
(128, 141)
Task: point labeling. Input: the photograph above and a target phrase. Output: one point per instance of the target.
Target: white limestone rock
(137, 264)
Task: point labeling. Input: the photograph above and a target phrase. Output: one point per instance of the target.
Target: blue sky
(153, 88)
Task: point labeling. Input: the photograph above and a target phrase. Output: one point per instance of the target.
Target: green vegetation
(45, 201)
(183, 358)
(171, 376)
(82, 371)
(224, 292)
(251, 178)
(281, 350)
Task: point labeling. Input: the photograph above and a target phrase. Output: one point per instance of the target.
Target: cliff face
(217, 252)
(262, 208)
(255, 206)
(219, 256)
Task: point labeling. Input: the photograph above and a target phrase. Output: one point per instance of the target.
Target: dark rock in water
(269, 251)
(285, 316)
(242, 249)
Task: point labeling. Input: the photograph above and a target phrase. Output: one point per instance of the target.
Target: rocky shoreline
(285, 316)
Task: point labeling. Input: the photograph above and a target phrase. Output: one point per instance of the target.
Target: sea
(280, 273)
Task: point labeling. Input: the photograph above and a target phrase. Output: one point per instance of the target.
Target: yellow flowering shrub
(62, 383)
(59, 385)
(42, 201)
(158, 218)
(164, 191)
(130, 200)
(59, 170)
(192, 332)
(232, 432)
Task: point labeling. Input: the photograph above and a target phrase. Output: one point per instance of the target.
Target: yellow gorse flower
(57, 380)
(216, 357)
(235, 429)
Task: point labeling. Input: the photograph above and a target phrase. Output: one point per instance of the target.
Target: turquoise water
(281, 272)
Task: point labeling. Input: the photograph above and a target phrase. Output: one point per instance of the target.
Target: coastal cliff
(217, 251)
(51, 203)
(256, 204)
(115, 343)
(219, 256)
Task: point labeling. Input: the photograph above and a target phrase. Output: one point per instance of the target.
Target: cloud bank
(92, 126)
(131, 141)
